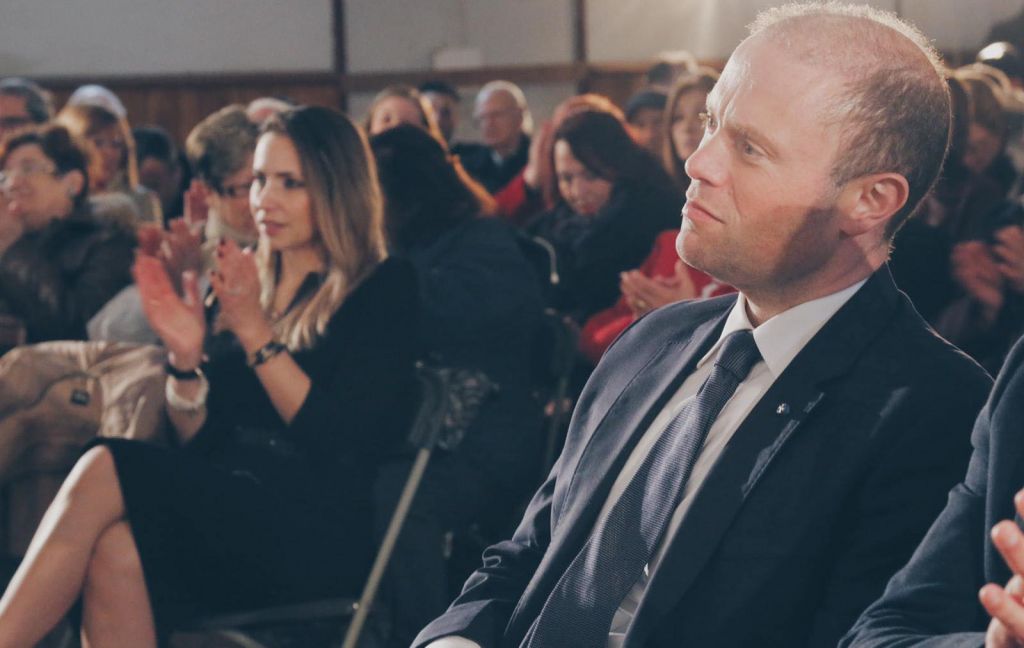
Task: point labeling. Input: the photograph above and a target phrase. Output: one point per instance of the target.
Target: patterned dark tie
(579, 610)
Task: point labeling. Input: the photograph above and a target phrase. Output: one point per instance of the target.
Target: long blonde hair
(347, 211)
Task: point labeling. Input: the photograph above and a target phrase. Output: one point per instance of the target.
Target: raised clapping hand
(177, 320)
(977, 272)
(1009, 253)
(645, 293)
(179, 248)
(1006, 604)
(196, 207)
(538, 164)
(182, 249)
(236, 282)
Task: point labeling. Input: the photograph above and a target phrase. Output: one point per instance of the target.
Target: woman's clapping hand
(178, 320)
(236, 283)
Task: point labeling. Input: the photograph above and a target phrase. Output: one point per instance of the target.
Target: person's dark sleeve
(933, 601)
(103, 274)
(490, 595)
(900, 498)
(477, 287)
(366, 404)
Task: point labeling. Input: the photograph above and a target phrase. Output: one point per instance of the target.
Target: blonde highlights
(347, 212)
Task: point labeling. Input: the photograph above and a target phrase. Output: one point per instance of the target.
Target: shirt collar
(782, 337)
(499, 160)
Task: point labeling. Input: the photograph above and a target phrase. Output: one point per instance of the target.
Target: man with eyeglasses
(505, 123)
(22, 104)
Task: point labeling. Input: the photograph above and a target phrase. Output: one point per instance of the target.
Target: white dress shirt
(779, 340)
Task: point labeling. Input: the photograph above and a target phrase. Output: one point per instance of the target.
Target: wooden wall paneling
(179, 103)
(617, 82)
(521, 74)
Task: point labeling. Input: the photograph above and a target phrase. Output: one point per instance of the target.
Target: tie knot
(738, 354)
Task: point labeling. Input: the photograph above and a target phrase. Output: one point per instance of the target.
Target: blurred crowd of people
(295, 262)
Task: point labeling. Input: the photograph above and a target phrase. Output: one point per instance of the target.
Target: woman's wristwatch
(264, 353)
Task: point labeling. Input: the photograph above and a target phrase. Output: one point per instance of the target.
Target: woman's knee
(115, 559)
(94, 476)
(96, 462)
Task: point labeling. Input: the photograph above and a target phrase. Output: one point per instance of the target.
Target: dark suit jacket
(809, 510)
(478, 162)
(933, 601)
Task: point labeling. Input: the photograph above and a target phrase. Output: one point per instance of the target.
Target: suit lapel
(776, 418)
(628, 419)
(601, 460)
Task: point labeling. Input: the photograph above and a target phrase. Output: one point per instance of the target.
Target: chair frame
(426, 430)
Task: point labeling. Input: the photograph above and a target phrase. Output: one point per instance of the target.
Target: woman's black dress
(253, 512)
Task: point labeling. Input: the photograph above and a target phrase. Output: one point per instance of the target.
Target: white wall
(958, 25)
(110, 37)
(404, 34)
(637, 30)
(387, 35)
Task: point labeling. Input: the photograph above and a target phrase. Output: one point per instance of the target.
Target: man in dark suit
(749, 471)
(505, 123)
(934, 600)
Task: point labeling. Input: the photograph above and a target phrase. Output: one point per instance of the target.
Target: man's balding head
(502, 115)
(895, 107)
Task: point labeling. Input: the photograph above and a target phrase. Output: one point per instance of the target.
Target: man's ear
(868, 202)
(73, 182)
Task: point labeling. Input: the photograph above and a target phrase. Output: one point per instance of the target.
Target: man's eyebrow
(744, 131)
(741, 130)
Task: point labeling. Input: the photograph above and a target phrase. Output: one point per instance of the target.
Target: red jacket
(517, 202)
(604, 326)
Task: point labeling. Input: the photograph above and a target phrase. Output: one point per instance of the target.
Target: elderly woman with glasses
(58, 265)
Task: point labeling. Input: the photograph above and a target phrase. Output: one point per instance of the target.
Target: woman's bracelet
(188, 405)
(264, 353)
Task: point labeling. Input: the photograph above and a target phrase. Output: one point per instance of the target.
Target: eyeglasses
(494, 114)
(238, 190)
(26, 171)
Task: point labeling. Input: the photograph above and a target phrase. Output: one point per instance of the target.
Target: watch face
(266, 352)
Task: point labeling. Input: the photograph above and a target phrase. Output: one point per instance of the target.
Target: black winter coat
(591, 251)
